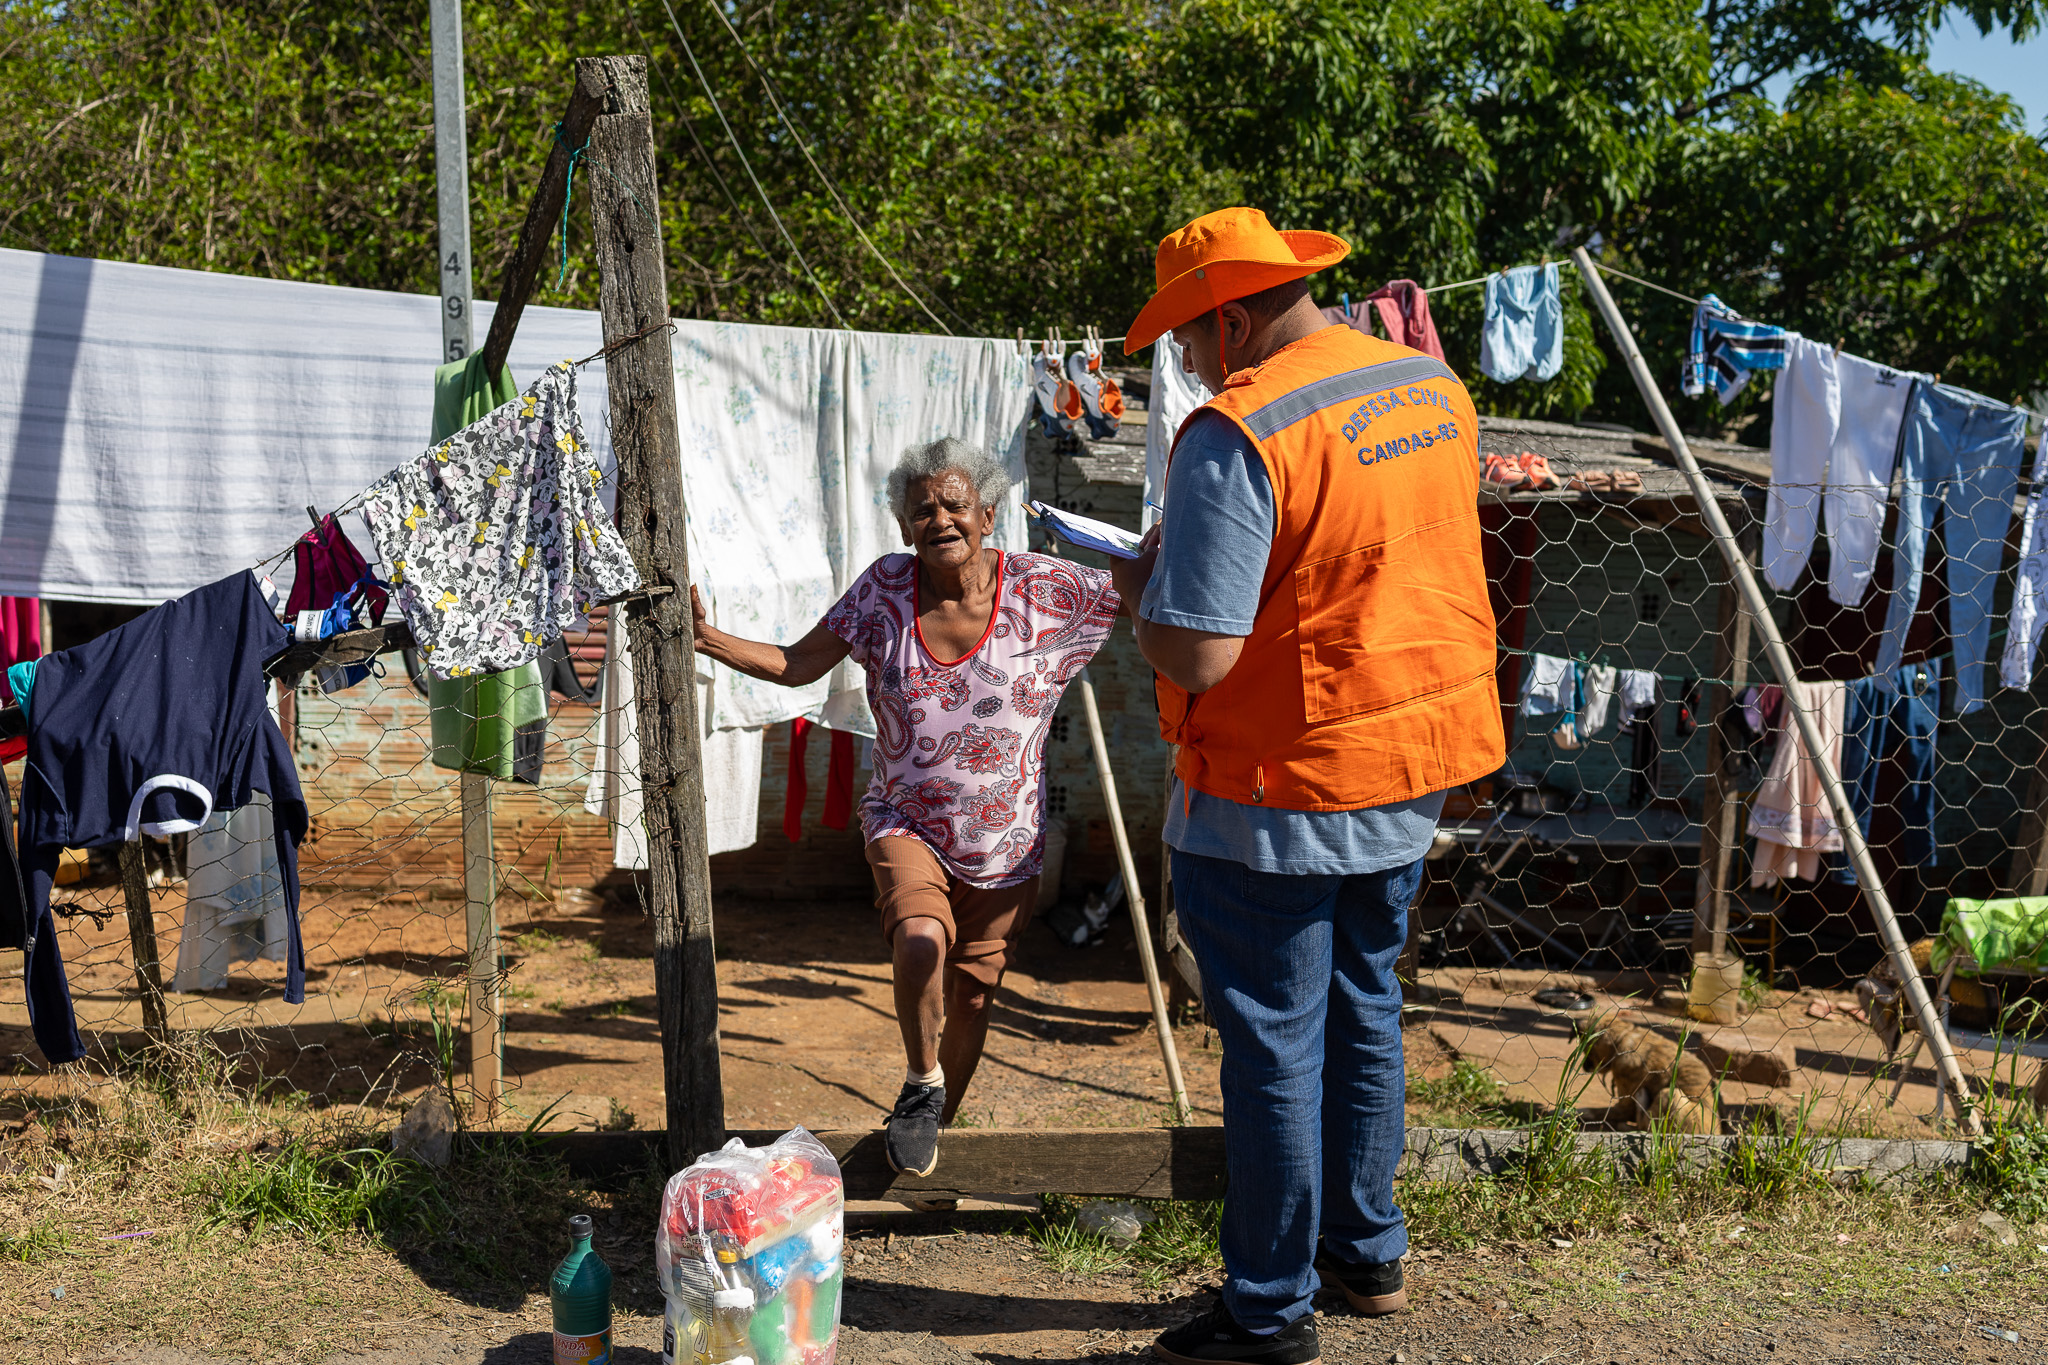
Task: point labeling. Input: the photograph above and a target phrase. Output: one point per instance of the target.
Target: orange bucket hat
(1222, 256)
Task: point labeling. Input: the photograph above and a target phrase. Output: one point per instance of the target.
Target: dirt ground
(954, 1298)
(808, 1024)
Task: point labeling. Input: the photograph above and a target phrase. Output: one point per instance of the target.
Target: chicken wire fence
(382, 910)
(1564, 890)
(1567, 893)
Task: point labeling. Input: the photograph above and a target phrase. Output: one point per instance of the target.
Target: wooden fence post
(149, 976)
(625, 215)
(1721, 804)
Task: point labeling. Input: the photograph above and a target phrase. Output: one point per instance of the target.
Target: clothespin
(1344, 303)
(1022, 349)
(1838, 344)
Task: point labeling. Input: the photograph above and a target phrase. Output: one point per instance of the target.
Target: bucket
(1716, 995)
(1055, 863)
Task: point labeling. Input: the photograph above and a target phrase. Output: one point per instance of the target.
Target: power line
(768, 86)
(748, 166)
(704, 154)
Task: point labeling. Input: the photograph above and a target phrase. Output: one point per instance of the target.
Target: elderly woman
(967, 650)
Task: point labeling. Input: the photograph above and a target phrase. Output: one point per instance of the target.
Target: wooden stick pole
(480, 897)
(1781, 663)
(1721, 804)
(1168, 1053)
(149, 976)
(633, 297)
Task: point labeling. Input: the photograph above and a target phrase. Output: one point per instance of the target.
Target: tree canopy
(1016, 164)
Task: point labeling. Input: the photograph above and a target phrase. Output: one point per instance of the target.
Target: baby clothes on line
(234, 897)
(1725, 348)
(1892, 723)
(495, 538)
(1790, 818)
(1523, 334)
(1601, 681)
(150, 729)
(329, 572)
(2030, 592)
(1961, 451)
(1548, 687)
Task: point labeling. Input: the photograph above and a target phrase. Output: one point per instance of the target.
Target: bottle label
(595, 1349)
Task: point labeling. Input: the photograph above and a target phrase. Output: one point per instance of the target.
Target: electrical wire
(768, 87)
(748, 166)
(704, 154)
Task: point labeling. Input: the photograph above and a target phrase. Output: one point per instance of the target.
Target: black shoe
(1374, 1290)
(1216, 1336)
(911, 1138)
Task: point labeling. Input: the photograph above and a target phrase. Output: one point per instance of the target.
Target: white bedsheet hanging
(788, 437)
(161, 428)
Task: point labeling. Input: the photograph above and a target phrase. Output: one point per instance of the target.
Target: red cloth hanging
(799, 788)
(839, 782)
(1404, 312)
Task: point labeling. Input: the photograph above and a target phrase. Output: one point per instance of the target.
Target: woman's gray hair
(933, 458)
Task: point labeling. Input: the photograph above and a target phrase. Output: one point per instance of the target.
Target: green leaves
(1017, 164)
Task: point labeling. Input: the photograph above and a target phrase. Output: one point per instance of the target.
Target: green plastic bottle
(581, 1295)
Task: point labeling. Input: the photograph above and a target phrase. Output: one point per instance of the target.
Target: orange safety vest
(1368, 677)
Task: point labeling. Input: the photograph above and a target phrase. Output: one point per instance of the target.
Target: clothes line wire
(748, 166)
(775, 103)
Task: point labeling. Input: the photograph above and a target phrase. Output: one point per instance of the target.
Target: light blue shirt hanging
(1523, 337)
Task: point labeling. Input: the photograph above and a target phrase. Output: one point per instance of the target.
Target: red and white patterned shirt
(959, 751)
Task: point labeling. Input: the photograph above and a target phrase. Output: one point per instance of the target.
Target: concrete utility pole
(479, 864)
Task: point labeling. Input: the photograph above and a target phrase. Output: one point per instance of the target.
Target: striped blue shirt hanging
(1726, 347)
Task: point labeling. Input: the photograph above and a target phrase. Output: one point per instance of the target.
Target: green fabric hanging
(462, 395)
(2009, 933)
(473, 719)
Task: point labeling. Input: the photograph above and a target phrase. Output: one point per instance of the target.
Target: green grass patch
(319, 1193)
(1179, 1237)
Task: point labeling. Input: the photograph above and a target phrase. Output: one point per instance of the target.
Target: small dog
(1654, 1084)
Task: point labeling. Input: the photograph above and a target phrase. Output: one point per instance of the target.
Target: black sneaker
(912, 1136)
(1374, 1290)
(1216, 1336)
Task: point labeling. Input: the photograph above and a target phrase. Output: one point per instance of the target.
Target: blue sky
(2016, 69)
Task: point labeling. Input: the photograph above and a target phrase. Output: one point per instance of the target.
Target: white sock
(936, 1076)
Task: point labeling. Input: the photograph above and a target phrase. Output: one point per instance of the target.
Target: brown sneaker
(1374, 1290)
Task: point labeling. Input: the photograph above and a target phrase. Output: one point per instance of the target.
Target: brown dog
(1654, 1084)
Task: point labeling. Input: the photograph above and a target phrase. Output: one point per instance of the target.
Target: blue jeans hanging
(1890, 717)
(1961, 450)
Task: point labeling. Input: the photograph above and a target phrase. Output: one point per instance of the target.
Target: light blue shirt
(1213, 544)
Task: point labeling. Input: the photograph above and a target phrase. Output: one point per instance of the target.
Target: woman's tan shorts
(982, 925)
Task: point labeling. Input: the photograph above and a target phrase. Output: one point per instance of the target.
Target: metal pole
(1781, 664)
(1129, 867)
(451, 176)
(479, 869)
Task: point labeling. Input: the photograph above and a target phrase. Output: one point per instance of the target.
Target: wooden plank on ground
(1147, 1163)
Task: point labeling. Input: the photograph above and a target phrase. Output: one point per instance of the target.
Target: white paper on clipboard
(1087, 532)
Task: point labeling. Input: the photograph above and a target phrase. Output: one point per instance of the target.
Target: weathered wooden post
(625, 214)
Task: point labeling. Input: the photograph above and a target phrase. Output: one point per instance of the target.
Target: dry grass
(158, 1205)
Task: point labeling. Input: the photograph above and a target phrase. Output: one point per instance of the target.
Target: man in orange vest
(1314, 604)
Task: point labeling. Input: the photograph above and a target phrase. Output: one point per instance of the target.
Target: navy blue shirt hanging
(148, 730)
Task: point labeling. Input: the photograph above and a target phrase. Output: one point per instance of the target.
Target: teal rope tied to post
(568, 193)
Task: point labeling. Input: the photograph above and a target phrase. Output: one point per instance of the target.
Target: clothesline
(1997, 634)
(611, 348)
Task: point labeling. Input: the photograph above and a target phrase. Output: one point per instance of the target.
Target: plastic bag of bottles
(748, 1252)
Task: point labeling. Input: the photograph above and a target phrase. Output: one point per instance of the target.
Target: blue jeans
(1885, 715)
(1960, 450)
(1298, 973)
